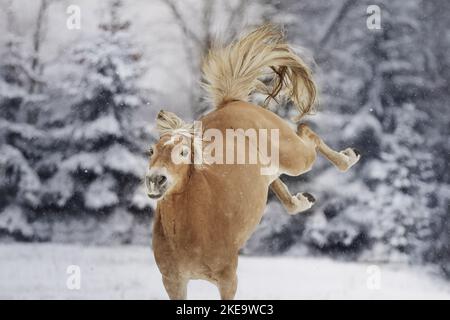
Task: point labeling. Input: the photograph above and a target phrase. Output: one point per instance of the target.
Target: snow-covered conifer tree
(98, 159)
(20, 185)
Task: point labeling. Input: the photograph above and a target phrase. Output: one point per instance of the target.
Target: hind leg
(343, 160)
(293, 204)
(297, 157)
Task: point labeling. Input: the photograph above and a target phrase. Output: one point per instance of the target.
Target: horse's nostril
(155, 181)
(147, 181)
(161, 180)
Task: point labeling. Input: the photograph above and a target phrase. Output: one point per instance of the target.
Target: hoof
(309, 197)
(352, 156)
(301, 202)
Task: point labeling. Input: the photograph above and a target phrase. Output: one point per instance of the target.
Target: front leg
(174, 281)
(176, 287)
(227, 278)
(293, 204)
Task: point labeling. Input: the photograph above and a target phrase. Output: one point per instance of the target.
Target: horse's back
(244, 115)
(295, 154)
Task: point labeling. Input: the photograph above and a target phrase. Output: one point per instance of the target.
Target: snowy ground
(39, 271)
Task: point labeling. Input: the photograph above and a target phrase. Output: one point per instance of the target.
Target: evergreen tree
(379, 93)
(99, 160)
(19, 141)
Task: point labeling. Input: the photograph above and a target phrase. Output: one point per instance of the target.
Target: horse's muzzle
(156, 185)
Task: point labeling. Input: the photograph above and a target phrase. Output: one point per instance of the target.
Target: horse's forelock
(169, 123)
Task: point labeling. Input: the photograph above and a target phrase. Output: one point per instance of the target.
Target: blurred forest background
(77, 109)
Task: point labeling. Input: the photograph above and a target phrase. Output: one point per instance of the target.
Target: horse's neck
(172, 205)
(168, 211)
(179, 213)
(171, 213)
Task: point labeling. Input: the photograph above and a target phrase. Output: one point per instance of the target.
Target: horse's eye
(184, 152)
(150, 152)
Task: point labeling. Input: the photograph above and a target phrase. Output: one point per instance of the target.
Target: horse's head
(170, 158)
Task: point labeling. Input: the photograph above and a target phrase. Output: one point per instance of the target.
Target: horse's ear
(160, 114)
(167, 121)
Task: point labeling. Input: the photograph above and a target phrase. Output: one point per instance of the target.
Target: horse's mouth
(154, 196)
(158, 193)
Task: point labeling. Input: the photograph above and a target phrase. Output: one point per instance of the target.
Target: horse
(207, 211)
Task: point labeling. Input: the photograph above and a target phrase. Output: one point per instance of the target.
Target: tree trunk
(38, 37)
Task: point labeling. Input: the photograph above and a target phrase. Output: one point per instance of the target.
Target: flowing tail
(233, 72)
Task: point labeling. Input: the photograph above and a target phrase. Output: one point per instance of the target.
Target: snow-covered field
(39, 271)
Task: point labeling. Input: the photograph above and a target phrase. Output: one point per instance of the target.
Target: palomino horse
(206, 211)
